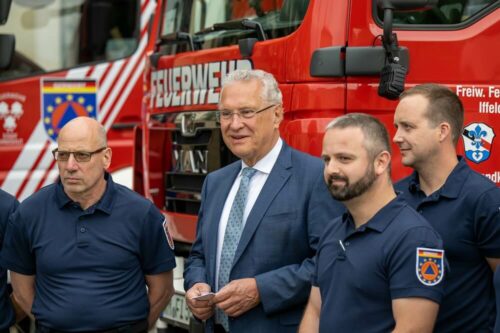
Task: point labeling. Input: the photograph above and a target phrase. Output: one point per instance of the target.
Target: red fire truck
(71, 58)
(330, 57)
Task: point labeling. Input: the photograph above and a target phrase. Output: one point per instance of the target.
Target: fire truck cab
(330, 57)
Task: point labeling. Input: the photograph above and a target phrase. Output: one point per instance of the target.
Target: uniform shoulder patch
(168, 236)
(430, 266)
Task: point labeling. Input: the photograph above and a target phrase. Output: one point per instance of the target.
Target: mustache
(336, 176)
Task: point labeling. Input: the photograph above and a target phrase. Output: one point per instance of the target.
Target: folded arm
(290, 285)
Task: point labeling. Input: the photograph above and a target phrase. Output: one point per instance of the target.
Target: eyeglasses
(80, 156)
(244, 113)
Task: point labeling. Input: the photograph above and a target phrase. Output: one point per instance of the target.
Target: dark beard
(348, 192)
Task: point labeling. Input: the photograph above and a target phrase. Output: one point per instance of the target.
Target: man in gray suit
(260, 218)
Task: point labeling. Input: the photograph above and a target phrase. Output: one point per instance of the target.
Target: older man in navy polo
(82, 251)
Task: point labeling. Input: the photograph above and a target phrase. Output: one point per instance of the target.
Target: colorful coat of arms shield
(478, 138)
(65, 99)
(430, 265)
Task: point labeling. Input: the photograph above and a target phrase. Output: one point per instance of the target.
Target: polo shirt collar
(61, 198)
(382, 218)
(104, 204)
(456, 179)
(453, 184)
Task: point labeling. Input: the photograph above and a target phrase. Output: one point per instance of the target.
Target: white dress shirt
(263, 167)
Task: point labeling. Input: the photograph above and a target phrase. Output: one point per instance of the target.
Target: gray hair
(376, 138)
(270, 91)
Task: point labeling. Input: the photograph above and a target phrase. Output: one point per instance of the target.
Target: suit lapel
(219, 196)
(277, 178)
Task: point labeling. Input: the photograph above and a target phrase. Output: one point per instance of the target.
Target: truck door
(454, 43)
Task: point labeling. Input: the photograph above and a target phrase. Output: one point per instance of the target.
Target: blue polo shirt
(360, 271)
(497, 291)
(89, 264)
(465, 212)
(7, 206)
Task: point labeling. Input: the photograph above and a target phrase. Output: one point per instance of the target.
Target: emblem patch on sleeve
(430, 265)
(170, 240)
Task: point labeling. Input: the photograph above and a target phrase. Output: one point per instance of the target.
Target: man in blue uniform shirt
(497, 291)
(260, 218)
(7, 316)
(82, 251)
(379, 268)
(462, 205)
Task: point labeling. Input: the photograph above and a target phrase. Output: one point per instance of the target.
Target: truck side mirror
(4, 11)
(7, 42)
(390, 61)
(7, 47)
(393, 75)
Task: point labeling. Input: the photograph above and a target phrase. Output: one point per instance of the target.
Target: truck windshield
(53, 35)
(444, 12)
(278, 18)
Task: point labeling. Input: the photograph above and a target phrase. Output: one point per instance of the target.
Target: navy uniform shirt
(89, 265)
(360, 271)
(497, 290)
(465, 212)
(7, 206)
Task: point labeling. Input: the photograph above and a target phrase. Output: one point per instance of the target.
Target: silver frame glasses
(243, 114)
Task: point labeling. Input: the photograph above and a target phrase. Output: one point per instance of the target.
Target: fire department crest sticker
(168, 236)
(478, 138)
(430, 266)
(65, 99)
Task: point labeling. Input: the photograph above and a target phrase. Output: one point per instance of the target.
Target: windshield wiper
(178, 37)
(243, 24)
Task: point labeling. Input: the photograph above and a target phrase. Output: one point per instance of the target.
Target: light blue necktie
(232, 237)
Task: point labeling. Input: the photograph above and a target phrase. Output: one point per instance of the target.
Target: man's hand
(201, 309)
(237, 297)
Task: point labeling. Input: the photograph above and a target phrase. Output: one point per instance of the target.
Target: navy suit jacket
(278, 242)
